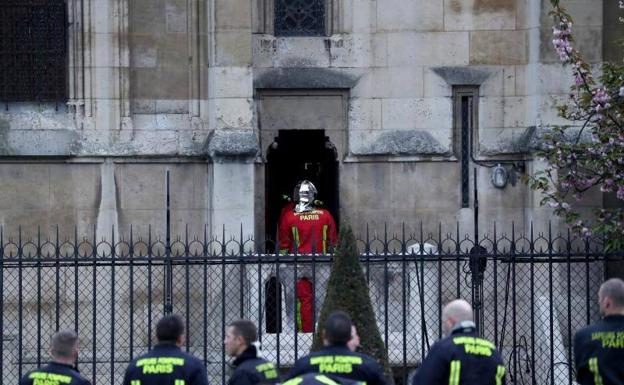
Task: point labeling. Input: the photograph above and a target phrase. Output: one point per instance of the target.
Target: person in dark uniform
(249, 369)
(62, 369)
(336, 359)
(320, 379)
(599, 348)
(461, 357)
(166, 363)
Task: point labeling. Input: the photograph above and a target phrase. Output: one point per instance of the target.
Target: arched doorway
(293, 156)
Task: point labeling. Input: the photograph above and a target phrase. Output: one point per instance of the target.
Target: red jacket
(308, 232)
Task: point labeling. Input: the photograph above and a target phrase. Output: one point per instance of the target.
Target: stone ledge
(302, 78)
(536, 140)
(231, 143)
(403, 142)
(463, 75)
(509, 143)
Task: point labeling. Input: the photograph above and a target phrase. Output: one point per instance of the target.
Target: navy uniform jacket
(462, 358)
(338, 360)
(166, 364)
(252, 370)
(599, 352)
(54, 373)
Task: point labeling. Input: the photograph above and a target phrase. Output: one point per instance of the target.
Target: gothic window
(33, 50)
(299, 17)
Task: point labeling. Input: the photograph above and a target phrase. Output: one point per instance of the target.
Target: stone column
(232, 198)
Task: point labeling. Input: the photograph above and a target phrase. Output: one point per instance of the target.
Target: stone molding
(404, 142)
(232, 144)
(463, 75)
(302, 78)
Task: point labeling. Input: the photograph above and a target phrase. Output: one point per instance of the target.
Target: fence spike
(385, 237)
(403, 247)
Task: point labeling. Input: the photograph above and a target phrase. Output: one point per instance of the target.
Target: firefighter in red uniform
(306, 229)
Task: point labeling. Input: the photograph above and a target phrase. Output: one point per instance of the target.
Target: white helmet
(305, 193)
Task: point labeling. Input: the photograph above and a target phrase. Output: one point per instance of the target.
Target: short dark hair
(245, 329)
(614, 289)
(169, 328)
(338, 328)
(64, 343)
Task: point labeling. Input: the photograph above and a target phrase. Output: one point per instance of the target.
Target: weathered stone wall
(161, 76)
(201, 88)
(87, 195)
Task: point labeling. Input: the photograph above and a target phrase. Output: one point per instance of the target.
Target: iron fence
(530, 292)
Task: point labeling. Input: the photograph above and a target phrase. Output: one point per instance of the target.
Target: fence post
(168, 305)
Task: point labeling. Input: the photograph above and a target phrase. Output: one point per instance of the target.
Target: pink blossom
(600, 95)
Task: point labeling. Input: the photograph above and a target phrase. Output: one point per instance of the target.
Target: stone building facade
(369, 106)
(387, 105)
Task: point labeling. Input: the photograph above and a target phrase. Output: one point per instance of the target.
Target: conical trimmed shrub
(347, 291)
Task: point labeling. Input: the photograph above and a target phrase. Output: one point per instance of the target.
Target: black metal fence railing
(530, 294)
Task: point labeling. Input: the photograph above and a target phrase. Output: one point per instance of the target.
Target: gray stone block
(232, 143)
(74, 186)
(480, 14)
(399, 142)
(463, 75)
(536, 142)
(303, 78)
(507, 141)
(425, 48)
(498, 47)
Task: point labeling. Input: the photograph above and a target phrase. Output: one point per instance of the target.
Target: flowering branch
(576, 166)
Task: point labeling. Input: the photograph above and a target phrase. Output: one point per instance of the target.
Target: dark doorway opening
(296, 155)
(273, 305)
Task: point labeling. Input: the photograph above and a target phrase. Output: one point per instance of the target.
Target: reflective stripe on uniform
(500, 373)
(179, 382)
(325, 239)
(325, 380)
(299, 321)
(47, 377)
(295, 233)
(454, 373)
(293, 381)
(593, 367)
(135, 382)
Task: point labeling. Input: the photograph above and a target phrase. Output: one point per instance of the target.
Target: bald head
(455, 312)
(611, 297)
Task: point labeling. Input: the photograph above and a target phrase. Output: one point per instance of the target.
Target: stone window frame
(264, 18)
(79, 67)
(81, 17)
(463, 154)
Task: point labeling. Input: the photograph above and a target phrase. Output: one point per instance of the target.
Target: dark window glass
(33, 50)
(299, 17)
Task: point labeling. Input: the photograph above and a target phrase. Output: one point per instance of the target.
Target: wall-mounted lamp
(500, 176)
